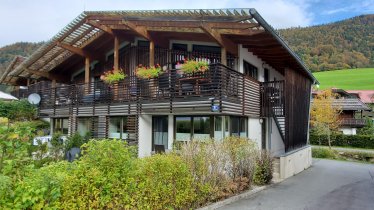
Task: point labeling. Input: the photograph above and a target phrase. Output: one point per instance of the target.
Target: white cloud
(38, 20)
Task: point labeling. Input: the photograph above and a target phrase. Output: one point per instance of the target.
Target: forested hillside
(340, 45)
(8, 52)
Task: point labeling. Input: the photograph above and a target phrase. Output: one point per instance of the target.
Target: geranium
(143, 72)
(193, 66)
(113, 76)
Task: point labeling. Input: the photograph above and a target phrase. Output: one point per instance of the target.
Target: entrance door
(159, 133)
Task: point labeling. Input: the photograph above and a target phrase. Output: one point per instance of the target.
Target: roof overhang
(225, 26)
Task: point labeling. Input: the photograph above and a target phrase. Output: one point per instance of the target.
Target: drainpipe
(310, 107)
(270, 131)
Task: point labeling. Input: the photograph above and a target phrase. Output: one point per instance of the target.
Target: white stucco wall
(244, 54)
(349, 131)
(277, 145)
(254, 131)
(145, 135)
(170, 132)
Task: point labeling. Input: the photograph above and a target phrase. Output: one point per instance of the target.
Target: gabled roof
(350, 104)
(17, 60)
(366, 96)
(91, 25)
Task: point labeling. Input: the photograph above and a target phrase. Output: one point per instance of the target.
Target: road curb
(235, 198)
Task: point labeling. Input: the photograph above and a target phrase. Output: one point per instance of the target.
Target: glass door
(160, 133)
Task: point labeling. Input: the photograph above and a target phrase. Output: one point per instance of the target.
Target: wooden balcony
(351, 122)
(225, 89)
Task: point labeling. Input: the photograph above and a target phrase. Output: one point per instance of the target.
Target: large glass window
(183, 128)
(250, 70)
(201, 128)
(118, 128)
(218, 131)
(160, 133)
(86, 126)
(61, 125)
(238, 126)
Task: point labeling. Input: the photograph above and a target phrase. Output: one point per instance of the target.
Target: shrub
(323, 153)
(264, 169)
(42, 188)
(75, 140)
(163, 182)
(101, 178)
(220, 168)
(359, 141)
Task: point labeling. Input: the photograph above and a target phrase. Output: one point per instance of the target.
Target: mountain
(339, 45)
(8, 52)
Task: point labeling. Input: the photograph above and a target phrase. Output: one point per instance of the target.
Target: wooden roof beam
(76, 50)
(230, 46)
(101, 27)
(140, 30)
(42, 74)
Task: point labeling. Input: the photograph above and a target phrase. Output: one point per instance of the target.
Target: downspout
(310, 108)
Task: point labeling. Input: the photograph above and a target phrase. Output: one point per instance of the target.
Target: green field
(348, 79)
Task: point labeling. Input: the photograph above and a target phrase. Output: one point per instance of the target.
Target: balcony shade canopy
(87, 33)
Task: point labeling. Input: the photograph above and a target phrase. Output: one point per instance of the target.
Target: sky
(40, 20)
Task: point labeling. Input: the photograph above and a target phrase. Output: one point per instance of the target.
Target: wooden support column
(223, 56)
(53, 83)
(151, 53)
(116, 54)
(28, 82)
(87, 74)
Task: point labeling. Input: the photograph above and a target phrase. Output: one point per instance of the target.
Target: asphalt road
(328, 184)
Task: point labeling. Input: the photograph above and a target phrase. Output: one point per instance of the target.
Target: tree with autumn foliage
(324, 116)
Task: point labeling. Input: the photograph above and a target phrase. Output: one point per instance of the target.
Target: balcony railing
(218, 82)
(353, 122)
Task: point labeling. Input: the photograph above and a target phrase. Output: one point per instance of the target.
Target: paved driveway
(328, 184)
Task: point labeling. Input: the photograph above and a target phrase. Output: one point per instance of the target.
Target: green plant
(113, 76)
(323, 153)
(193, 66)
(75, 140)
(18, 110)
(264, 169)
(164, 182)
(143, 72)
(357, 141)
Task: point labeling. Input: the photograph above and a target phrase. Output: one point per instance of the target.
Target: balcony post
(151, 53)
(116, 54)
(223, 56)
(116, 65)
(87, 75)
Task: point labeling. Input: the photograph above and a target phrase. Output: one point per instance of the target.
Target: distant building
(366, 96)
(352, 108)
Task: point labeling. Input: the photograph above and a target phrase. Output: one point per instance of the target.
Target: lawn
(348, 79)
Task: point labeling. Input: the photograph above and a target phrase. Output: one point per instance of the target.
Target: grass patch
(349, 79)
(356, 156)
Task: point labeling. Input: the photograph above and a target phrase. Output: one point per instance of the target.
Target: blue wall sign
(215, 108)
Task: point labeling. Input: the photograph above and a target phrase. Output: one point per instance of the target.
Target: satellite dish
(34, 98)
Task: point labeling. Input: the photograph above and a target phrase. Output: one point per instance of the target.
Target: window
(87, 126)
(250, 70)
(238, 126)
(181, 47)
(143, 43)
(201, 128)
(118, 128)
(218, 131)
(61, 125)
(160, 133)
(183, 128)
(205, 48)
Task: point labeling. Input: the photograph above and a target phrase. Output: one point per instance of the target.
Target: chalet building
(352, 108)
(255, 86)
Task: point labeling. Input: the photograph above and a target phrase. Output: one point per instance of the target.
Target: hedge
(359, 141)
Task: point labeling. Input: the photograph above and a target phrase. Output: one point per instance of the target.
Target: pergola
(87, 35)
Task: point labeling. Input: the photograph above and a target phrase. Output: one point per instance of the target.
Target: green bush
(163, 182)
(323, 153)
(264, 169)
(359, 141)
(42, 188)
(101, 178)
